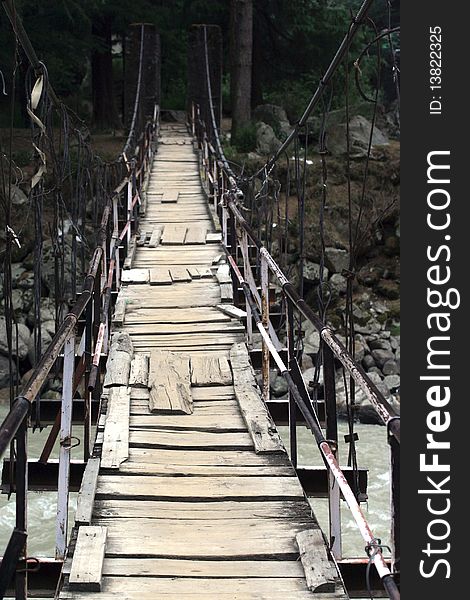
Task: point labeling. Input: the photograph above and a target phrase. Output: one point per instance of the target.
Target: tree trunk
(241, 42)
(105, 114)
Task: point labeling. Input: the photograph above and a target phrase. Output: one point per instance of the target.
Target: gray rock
(381, 356)
(380, 344)
(368, 362)
(337, 284)
(311, 339)
(26, 280)
(375, 370)
(5, 371)
(359, 134)
(278, 386)
(391, 367)
(395, 342)
(17, 270)
(392, 382)
(24, 336)
(266, 140)
(18, 197)
(45, 341)
(336, 259)
(368, 415)
(360, 348)
(309, 376)
(312, 272)
(372, 326)
(380, 385)
(275, 116)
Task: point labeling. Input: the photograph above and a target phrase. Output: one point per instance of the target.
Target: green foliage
(245, 141)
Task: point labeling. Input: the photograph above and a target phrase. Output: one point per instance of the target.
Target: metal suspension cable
(137, 95)
(324, 81)
(215, 129)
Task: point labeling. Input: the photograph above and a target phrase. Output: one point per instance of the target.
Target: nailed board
(257, 418)
(155, 238)
(116, 430)
(119, 311)
(160, 276)
(170, 196)
(212, 238)
(87, 562)
(206, 370)
(174, 234)
(86, 495)
(119, 360)
(196, 234)
(170, 383)
(179, 274)
(139, 375)
(320, 572)
(231, 311)
(130, 253)
(171, 438)
(135, 276)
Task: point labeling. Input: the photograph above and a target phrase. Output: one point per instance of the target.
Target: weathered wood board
(170, 383)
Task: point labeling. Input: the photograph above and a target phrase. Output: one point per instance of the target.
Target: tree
(241, 53)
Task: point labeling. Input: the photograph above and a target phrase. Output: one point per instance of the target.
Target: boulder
(382, 356)
(275, 117)
(391, 367)
(266, 141)
(380, 344)
(388, 288)
(359, 134)
(22, 341)
(368, 362)
(18, 197)
(5, 371)
(337, 284)
(392, 382)
(336, 259)
(278, 385)
(312, 272)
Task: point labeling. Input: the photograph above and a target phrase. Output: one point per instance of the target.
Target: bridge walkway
(184, 505)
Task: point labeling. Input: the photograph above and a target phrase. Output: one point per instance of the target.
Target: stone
(380, 344)
(22, 341)
(275, 116)
(17, 270)
(312, 272)
(45, 341)
(360, 348)
(395, 342)
(359, 134)
(372, 326)
(311, 339)
(18, 197)
(309, 376)
(336, 259)
(337, 284)
(278, 385)
(26, 280)
(368, 362)
(266, 140)
(391, 367)
(381, 356)
(374, 370)
(388, 288)
(392, 382)
(5, 371)
(379, 384)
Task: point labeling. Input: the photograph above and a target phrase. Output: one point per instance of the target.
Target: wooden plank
(174, 234)
(220, 510)
(170, 383)
(155, 238)
(171, 438)
(200, 422)
(135, 276)
(199, 488)
(116, 431)
(205, 273)
(182, 457)
(170, 196)
(119, 360)
(196, 470)
(196, 234)
(320, 572)
(86, 495)
(160, 276)
(226, 293)
(213, 238)
(87, 562)
(150, 588)
(206, 370)
(162, 567)
(130, 253)
(223, 274)
(257, 418)
(179, 274)
(194, 273)
(231, 311)
(139, 371)
(119, 311)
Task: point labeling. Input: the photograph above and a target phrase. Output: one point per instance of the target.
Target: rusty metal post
(21, 486)
(265, 319)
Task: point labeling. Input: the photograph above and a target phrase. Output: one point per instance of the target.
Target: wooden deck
(195, 496)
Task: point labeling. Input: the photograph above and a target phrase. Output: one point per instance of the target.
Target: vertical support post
(246, 267)
(21, 484)
(395, 500)
(292, 406)
(88, 358)
(129, 209)
(65, 448)
(265, 319)
(334, 494)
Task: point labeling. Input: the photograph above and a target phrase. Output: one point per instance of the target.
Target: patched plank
(87, 562)
(170, 383)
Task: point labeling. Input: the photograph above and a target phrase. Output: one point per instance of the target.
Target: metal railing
(80, 343)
